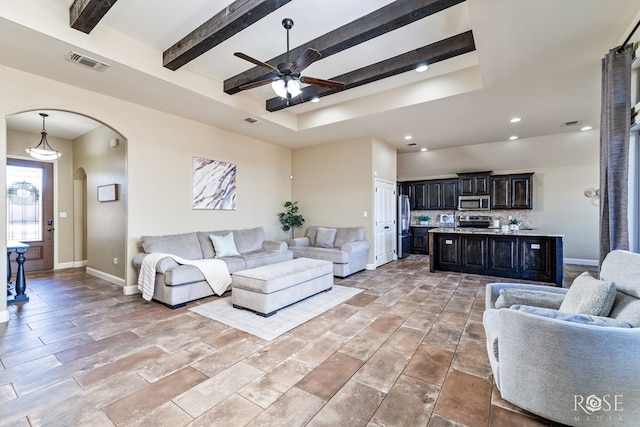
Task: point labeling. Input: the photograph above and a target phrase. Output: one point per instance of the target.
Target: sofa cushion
(334, 255)
(206, 244)
(249, 240)
(348, 234)
(325, 237)
(184, 245)
(622, 268)
(588, 295)
(626, 308)
(511, 296)
(584, 319)
(260, 258)
(225, 246)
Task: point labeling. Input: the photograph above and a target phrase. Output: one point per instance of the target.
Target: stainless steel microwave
(473, 203)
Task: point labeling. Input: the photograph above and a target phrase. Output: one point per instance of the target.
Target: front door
(30, 211)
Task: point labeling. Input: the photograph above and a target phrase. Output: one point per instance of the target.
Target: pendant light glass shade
(43, 150)
(279, 88)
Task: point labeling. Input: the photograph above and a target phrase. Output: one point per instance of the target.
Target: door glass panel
(24, 203)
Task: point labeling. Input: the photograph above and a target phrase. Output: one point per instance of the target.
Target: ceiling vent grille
(570, 123)
(251, 120)
(85, 60)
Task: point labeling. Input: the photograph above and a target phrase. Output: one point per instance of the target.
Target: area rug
(284, 320)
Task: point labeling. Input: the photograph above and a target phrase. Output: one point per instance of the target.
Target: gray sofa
(346, 247)
(175, 284)
(575, 369)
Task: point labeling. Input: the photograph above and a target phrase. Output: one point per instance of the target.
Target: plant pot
(514, 227)
(424, 222)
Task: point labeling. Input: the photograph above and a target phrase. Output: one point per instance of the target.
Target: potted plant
(514, 224)
(424, 219)
(290, 218)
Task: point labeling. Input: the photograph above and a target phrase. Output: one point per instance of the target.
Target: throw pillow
(224, 245)
(511, 296)
(584, 319)
(325, 237)
(588, 295)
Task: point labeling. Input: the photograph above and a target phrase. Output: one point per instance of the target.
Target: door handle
(386, 227)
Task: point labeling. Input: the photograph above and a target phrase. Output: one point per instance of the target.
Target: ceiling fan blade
(331, 84)
(256, 62)
(265, 80)
(307, 58)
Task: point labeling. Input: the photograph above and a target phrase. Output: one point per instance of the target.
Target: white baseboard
(371, 267)
(4, 316)
(130, 290)
(105, 276)
(578, 261)
(73, 264)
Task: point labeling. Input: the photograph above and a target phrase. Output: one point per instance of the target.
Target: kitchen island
(525, 254)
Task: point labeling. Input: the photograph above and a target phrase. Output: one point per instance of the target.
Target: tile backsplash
(524, 215)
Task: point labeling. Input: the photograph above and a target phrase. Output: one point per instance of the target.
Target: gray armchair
(572, 373)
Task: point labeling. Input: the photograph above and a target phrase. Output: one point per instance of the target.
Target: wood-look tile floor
(408, 351)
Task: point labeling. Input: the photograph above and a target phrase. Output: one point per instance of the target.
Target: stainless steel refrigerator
(404, 232)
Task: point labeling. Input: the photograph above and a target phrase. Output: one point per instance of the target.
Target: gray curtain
(615, 123)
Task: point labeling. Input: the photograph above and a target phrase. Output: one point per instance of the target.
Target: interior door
(385, 222)
(30, 211)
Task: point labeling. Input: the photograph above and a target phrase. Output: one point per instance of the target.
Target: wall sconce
(594, 195)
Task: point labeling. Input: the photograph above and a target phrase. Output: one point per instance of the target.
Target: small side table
(21, 283)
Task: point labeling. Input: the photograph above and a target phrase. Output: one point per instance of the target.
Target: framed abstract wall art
(214, 184)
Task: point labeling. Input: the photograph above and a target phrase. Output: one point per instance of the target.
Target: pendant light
(43, 151)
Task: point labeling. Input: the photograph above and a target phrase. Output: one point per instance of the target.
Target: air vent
(412, 144)
(85, 60)
(570, 123)
(252, 121)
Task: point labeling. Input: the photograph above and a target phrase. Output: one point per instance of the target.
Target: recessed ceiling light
(513, 138)
(315, 99)
(422, 67)
(408, 137)
(586, 128)
(423, 149)
(515, 120)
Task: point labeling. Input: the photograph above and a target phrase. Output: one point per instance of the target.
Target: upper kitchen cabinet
(512, 191)
(473, 184)
(442, 193)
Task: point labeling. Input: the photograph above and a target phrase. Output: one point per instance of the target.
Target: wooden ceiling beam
(429, 54)
(84, 15)
(381, 21)
(231, 20)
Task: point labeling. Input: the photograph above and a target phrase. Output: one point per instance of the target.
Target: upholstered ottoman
(269, 288)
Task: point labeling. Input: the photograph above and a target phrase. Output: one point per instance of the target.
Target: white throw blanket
(215, 272)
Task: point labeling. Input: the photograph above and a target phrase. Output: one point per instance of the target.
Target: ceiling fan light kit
(285, 79)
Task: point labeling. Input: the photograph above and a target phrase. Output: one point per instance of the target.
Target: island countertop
(496, 231)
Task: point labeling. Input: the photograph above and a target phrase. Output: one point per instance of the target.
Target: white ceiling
(539, 60)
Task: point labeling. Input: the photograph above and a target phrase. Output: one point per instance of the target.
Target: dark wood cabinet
(472, 184)
(537, 258)
(448, 252)
(474, 252)
(449, 194)
(503, 254)
(521, 194)
(420, 240)
(511, 191)
(431, 194)
(418, 197)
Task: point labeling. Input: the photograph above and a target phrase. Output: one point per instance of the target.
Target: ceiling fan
(285, 79)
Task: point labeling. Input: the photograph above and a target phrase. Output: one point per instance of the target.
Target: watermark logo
(593, 408)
